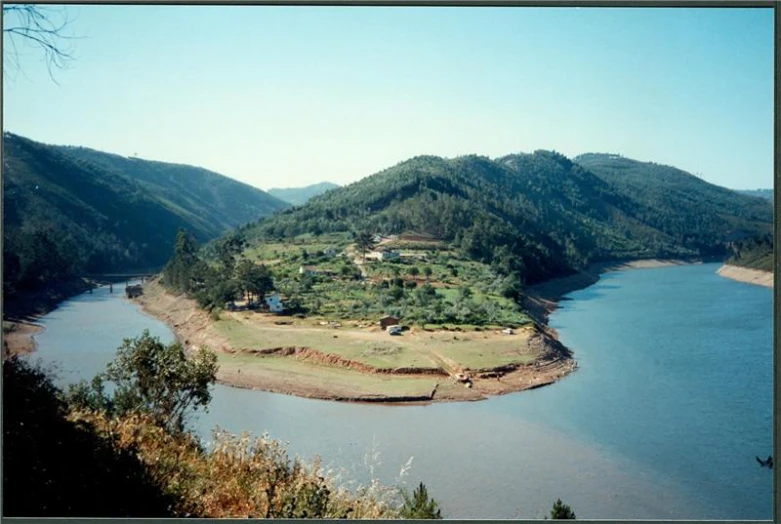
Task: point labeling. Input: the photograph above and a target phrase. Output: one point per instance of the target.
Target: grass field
(421, 349)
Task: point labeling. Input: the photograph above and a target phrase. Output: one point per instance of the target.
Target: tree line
(215, 283)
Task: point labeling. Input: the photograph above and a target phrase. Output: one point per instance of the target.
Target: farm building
(134, 291)
(388, 320)
(307, 270)
(274, 303)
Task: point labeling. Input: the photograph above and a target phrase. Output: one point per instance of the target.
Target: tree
(414, 271)
(227, 251)
(364, 241)
(561, 511)
(428, 272)
(152, 377)
(420, 505)
(179, 271)
(253, 279)
(37, 26)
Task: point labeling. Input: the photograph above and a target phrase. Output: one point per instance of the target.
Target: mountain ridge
(541, 214)
(70, 211)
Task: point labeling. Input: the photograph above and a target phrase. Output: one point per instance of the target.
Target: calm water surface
(672, 402)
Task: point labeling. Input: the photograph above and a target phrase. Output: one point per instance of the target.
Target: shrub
(420, 505)
(151, 377)
(561, 511)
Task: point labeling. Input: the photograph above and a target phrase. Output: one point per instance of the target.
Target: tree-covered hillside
(300, 195)
(217, 202)
(673, 200)
(533, 215)
(68, 211)
(762, 193)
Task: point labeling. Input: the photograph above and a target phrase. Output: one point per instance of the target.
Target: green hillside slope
(68, 211)
(534, 215)
(216, 201)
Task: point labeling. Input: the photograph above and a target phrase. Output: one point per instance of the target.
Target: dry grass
(240, 476)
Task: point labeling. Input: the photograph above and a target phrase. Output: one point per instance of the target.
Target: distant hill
(761, 193)
(677, 201)
(218, 203)
(73, 210)
(300, 195)
(536, 215)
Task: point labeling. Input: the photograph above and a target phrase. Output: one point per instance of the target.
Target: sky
(289, 96)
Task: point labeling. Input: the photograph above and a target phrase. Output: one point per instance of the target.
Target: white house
(329, 252)
(274, 303)
(307, 270)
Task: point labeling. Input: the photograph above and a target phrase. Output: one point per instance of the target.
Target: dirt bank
(18, 337)
(314, 373)
(747, 275)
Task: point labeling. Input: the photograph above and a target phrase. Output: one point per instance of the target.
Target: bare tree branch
(40, 27)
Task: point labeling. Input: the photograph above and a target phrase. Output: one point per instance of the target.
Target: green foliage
(151, 377)
(56, 467)
(535, 216)
(561, 511)
(70, 211)
(754, 253)
(253, 279)
(62, 461)
(420, 505)
(364, 241)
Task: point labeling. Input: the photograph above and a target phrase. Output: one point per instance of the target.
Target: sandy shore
(20, 339)
(310, 372)
(747, 275)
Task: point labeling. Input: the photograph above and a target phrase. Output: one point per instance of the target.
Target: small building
(134, 291)
(307, 270)
(329, 252)
(388, 320)
(388, 255)
(274, 303)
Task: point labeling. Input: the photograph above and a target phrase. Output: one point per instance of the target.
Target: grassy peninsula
(454, 252)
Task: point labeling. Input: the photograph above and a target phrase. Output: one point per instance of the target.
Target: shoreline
(543, 299)
(747, 275)
(311, 369)
(192, 327)
(20, 315)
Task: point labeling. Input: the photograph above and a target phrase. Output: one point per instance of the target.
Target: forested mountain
(761, 193)
(217, 202)
(300, 195)
(680, 202)
(536, 215)
(71, 210)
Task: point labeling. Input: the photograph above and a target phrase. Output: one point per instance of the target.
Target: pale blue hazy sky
(289, 96)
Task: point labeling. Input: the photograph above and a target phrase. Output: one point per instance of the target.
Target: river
(671, 403)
